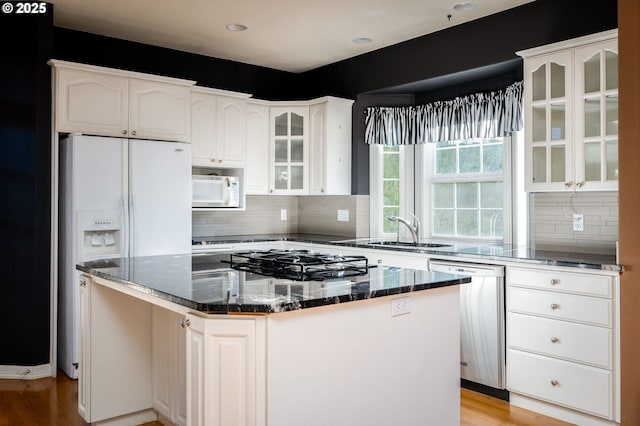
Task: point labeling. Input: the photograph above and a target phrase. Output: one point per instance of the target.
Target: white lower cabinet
(222, 364)
(169, 366)
(562, 345)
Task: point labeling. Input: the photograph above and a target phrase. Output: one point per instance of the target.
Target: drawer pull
(555, 281)
(554, 340)
(554, 306)
(184, 322)
(554, 382)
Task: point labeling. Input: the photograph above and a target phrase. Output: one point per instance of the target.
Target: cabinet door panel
(257, 156)
(585, 388)
(561, 339)
(91, 103)
(571, 307)
(159, 111)
(230, 131)
(203, 129)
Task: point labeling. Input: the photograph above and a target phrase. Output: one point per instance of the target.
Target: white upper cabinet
(257, 159)
(159, 111)
(100, 101)
(310, 147)
(289, 150)
(330, 146)
(218, 128)
(571, 114)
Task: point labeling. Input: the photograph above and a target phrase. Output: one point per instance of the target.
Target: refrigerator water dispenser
(101, 234)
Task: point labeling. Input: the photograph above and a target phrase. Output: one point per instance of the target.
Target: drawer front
(593, 285)
(572, 307)
(562, 339)
(577, 386)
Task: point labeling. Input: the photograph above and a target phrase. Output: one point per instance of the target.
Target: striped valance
(479, 115)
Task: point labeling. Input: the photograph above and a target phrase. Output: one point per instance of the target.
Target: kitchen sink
(408, 245)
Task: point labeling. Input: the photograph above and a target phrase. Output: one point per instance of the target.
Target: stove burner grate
(299, 265)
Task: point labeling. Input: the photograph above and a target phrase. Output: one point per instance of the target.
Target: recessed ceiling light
(362, 40)
(236, 27)
(464, 6)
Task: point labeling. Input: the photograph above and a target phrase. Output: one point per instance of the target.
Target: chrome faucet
(413, 228)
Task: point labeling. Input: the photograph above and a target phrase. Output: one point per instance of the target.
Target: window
(462, 189)
(465, 191)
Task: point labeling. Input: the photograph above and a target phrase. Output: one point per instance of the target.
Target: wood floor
(53, 402)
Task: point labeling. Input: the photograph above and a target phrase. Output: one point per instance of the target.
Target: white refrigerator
(118, 198)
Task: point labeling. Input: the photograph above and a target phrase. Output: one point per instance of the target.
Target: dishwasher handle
(472, 269)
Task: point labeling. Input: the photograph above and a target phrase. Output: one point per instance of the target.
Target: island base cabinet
(222, 372)
(114, 371)
(358, 364)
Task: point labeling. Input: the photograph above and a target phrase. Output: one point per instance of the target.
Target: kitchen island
(195, 341)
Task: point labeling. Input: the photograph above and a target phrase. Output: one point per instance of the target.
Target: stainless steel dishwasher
(482, 324)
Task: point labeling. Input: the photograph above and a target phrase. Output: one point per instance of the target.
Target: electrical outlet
(343, 215)
(400, 306)
(578, 222)
(283, 214)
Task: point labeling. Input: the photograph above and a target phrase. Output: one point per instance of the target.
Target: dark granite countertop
(484, 252)
(205, 283)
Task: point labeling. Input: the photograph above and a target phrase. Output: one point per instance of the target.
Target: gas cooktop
(299, 265)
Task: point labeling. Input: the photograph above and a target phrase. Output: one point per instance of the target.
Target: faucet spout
(413, 228)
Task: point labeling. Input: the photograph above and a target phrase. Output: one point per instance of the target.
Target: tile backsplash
(551, 221)
(305, 214)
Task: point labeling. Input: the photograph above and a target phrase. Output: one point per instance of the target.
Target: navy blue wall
(25, 137)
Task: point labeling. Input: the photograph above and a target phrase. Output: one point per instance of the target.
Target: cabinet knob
(555, 281)
(554, 382)
(554, 306)
(213, 160)
(219, 161)
(83, 283)
(580, 184)
(568, 184)
(133, 132)
(321, 189)
(184, 322)
(554, 340)
(124, 132)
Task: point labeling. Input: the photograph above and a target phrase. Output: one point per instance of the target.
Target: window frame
(426, 177)
(376, 175)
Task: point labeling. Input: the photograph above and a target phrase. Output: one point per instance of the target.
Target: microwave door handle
(227, 193)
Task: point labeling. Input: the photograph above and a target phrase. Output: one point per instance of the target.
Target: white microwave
(215, 191)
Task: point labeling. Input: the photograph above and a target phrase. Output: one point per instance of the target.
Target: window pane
(467, 223)
(467, 195)
(539, 123)
(389, 226)
(612, 70)
(282, 156)
(470, 159)
(558, 165)
(443, 195)
(297, 181)
(557, 80)
(539, 164)
(492, 223)
(391, 165)
(443, 222)
(492, 158)
(612, 160)
(445, 161)
(491, 195)
(391, 192)
(592, 74)
(557, 122)
(612, 115)
(539, 84)
(592, 117)
(297, 150)
(296, 124)
(592, 155)
(281, 125)
(282, 177)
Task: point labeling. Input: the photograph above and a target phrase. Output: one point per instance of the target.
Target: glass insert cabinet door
(289, 153)
(597, 115)
(548, 123)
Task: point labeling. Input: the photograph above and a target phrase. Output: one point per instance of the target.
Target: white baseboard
(25, 372)
(144, 416)
(557, 412)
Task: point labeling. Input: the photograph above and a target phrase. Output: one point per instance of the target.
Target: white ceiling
(289, 35)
